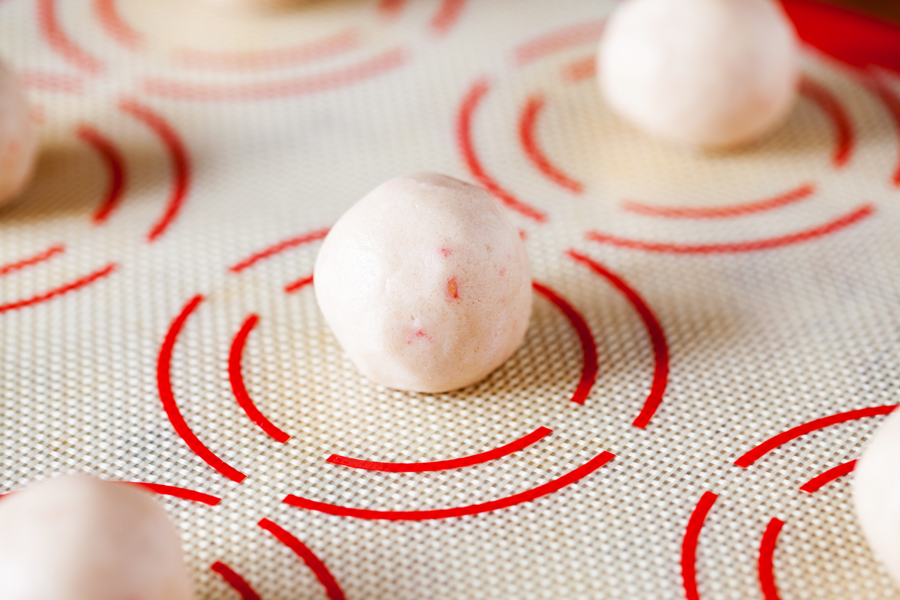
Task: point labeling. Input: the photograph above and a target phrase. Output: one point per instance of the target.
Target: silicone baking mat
(714, 338)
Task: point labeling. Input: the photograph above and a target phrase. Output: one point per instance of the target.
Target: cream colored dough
(18, 140)
(703, 73)
(79, 538)
(876, 494)
(425, 283)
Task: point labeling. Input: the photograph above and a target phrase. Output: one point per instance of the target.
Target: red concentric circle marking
(24, 263)
(891, 102)
(654, 330)
(820, 481)
(237, 583)
(115, 165)
(391, 8)
(774, 442)
(467, 147)
(235, 375)
(164, 383)
(300, 240)
(312, 561)
(461, 511)
(60, 42)
(766, 555)
(176, 492)
(689, 544)
(108, 14)
(829, 104)
(50, 82)
(749, 246)
(725, 211)
(447, 16)
(443, 465)
(64, 289)
(298, 285)
(568, 37)
(580, 70)
(529, 142)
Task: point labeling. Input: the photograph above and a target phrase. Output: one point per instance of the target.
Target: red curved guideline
(574, 35)
(589, 365)
(766, 553)
(236, 377)
(891, 102)
(843, 130)
(791, 434)
(298, 285)
(390, 8)
(306, 238)
(181, 165)
(654, 329)
(528, 139)
(312, 561)
(722, 212)
(238, 583)
(320, 82)
(581, 69)
(460, 511)
(467, 147)
(60, 42)
(64, 289)
(115, 164)
(750, 246)
(689, 544)
(819, 481)
(447, 15)
(32, 260)
(50, 82)
(109, 17)
(443, 465)
(177, 492)
(164, 383)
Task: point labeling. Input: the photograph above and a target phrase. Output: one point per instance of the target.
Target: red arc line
(820, 481)
(117, 27)
(654, 330)
(528, 140)
(60, 42)
(843, 129)
(722, 212)
(236, 377)
(689, 544)
(460, 511)
(443, 465)
(806, 235)
(164, 383)
(391, 8)
(573, 35)
(115, 165)
(280, 247)
(237, 583)
(312, 561)
(766, 554)
(774, 442)
(64, 289)
(467, 147)
(177, 492)
(589, 365)
(447, 16)
(298, 285)
(891, 102)
(32, 260)
(181, 164)
(51, 82)
(581, 69)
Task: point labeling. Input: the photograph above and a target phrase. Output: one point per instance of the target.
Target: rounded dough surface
(79, 538)
(425, 283)
(18, 140)
(876, 494)
(705, 73)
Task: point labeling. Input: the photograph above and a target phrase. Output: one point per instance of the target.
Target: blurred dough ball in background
(18, 139)
(702, 73)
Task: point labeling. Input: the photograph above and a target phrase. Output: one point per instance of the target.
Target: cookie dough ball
(702, 73)
(79, 538)
(876, 494)
(18, 139)
(425, 283)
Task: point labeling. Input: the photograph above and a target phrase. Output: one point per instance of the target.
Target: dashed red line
(115, 165)
(177, 492)
(589, 366)
(312, 561)
(111, 20)
(38, 258)
(60, 42)
(749, 246)
(654, 330)
(65, 289)
(689, 544)
(181, 164)
(529, 142)
(774, 442)
(236, 376)
(321, 82)
(237, 583)
(722, 212)
(820, 481)
(447, 16)
(443, 465)
(298, 285)
(574, 35)
(466, 145)
(766, 555)
(461, 511)
(164, 383)
(891, 102)
(843, 129)
(300, 240)
(50, 82)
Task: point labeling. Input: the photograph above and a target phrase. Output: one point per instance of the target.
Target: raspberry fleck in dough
(18, 141)
(425, 283)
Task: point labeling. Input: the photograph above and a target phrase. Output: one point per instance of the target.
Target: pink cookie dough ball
(79, 538)
(702, 73)
(18, 140)
(425, 283)
(876, 494)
